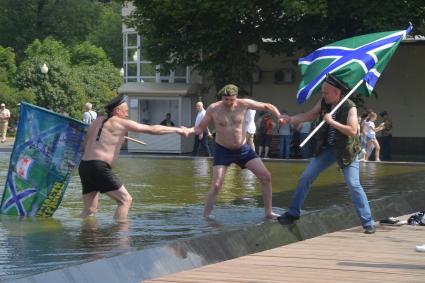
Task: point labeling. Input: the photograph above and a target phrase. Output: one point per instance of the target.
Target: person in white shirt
(89, 115)
(304, 129)
(4, 121)
(250, 127)
(371, 136)
(285, 137)
(202, 138)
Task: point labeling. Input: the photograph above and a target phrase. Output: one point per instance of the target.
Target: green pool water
(168, 196)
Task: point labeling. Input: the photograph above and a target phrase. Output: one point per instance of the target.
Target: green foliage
(84, 74)
(50, 48)
(12, 97)
(7, 64)
(87, 54)
(99, 82)
(59, 87)
(108, 33)
(70, 21)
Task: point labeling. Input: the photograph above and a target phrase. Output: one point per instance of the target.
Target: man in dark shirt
(167, 121)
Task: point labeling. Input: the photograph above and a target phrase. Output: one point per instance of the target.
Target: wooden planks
(346, 256)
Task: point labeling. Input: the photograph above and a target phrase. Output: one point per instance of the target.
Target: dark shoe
(287, 219)
(390, 221)
(369, 229)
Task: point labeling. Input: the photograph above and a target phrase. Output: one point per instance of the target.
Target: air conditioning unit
(283, 76)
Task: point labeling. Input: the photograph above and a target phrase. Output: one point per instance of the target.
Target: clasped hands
(284, 120)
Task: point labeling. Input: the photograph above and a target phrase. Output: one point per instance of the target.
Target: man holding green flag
(354, 63)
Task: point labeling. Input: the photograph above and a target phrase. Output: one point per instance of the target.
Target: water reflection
(103, 240)
(168, 198)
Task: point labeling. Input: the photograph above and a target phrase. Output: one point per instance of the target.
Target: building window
(138, 69)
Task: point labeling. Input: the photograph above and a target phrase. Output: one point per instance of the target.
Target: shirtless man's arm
(131, 125)
(255, 105)
(198, 130)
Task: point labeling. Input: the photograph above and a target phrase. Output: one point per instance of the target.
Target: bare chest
(229, 119)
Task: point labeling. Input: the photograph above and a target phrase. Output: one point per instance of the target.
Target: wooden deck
(346, 256)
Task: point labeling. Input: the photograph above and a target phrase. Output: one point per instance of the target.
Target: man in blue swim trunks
(228, 116)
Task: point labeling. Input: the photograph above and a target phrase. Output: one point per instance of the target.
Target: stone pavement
(8, 145)
(343, 256)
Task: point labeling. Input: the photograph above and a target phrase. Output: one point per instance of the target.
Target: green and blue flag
(350, 60)
(47, 150)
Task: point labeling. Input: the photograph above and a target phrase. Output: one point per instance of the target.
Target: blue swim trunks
(225, 156)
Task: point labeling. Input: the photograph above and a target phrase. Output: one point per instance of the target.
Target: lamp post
(44, 69)
(253, 70)
(252, 48)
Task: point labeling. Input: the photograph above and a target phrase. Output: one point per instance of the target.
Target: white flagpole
(332, 112)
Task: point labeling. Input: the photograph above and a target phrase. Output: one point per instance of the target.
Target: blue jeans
(351, 174)
(203, 142)
(284, 146)
(305, 150)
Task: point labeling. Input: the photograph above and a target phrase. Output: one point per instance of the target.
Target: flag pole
(332, 112)
(134, 140)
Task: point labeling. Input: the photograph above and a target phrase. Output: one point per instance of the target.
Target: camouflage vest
(346, 147)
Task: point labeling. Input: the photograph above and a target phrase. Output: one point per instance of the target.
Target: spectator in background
(4, 121)
(202, 138)
(363, 134)
(371, 136)
(266, 134)
(386, 136)
(304, 130)
(63, 112)
(250, 127)
(285, 137)
(167, 121)
(89, 115)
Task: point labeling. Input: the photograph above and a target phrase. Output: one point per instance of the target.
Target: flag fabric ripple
(350, 60)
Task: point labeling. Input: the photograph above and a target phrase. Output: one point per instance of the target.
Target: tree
(87, 54)
(99, 81)
(108, 33)
(70, 21)
(8, 94)
(177, 32)
(59, 87)
(7, 64)
(95, 74)
(74, 77)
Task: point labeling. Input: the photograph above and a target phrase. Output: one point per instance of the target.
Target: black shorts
(225, 156)
(97, 176)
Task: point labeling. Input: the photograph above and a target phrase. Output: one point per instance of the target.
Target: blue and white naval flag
(350, 60)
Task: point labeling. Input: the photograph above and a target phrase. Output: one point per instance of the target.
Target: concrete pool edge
(215, 247)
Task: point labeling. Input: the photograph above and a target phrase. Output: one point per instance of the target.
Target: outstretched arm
(154, 129)
(303, 117)
(199, 130)
(256, 105)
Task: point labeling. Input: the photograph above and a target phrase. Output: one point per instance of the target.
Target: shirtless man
(228, 116)
(102, 146)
